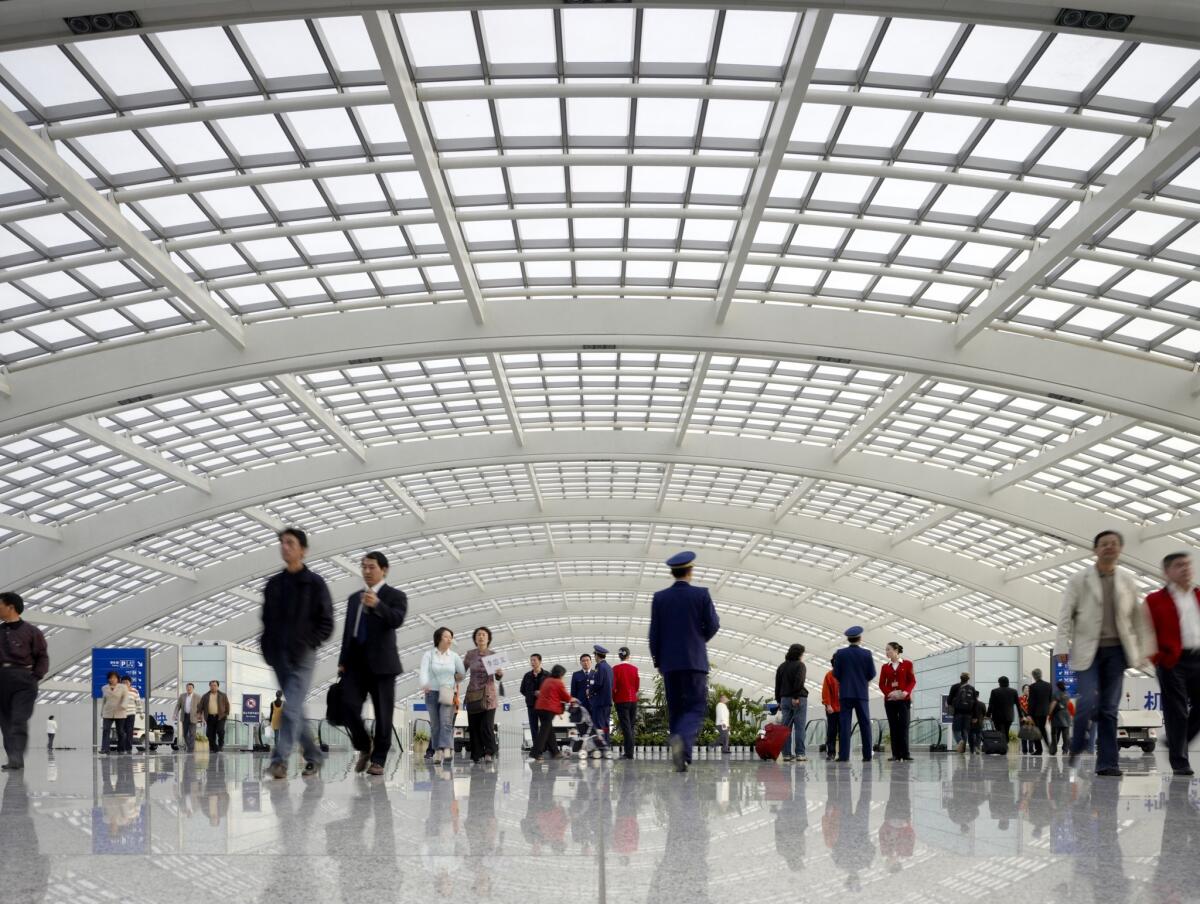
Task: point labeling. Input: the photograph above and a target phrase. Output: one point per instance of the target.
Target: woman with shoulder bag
(482, 698)
(441, 671)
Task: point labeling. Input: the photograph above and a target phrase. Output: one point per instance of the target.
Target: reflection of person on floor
(897, 837)
(791, 822)
(442, 843)
(852, 847)
(966, 794)
(682, 874)
(366, 857)
(483, 836)
(1177, 876)
(24, 870)
(291, 865)
(216, 791)
(626, 832)
(1098, 859)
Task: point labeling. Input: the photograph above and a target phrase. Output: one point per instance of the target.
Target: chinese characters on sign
(131, 661)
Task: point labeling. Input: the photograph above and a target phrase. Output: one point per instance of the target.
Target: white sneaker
(801, 759)
(437, 758)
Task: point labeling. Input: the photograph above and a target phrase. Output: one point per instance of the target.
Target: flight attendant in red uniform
(897, 680)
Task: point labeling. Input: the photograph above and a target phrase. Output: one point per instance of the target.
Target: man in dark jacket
(962, 699)
(792, 697)
(297, 618)
(368, 661)
(24, 662)
(214, 707)
(854, 667)
(531, 683)
(1040, 695)
(1002, 707)
(683, 620)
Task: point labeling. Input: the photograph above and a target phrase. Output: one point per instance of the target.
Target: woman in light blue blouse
(441, 671)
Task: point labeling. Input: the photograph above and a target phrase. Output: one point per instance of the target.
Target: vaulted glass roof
(885, 317)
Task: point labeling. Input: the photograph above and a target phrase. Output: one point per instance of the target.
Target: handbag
(475, 700)
(1029, 732)
(446, 695)
(335, 704)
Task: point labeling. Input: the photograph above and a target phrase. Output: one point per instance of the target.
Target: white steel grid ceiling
(725, 161)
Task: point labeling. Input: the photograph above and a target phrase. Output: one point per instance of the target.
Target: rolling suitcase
(770, 741)
(995, 742)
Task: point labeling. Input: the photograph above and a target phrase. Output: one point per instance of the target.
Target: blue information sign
(121, 826)
(1063, 672)
(250, 711)
(131, 661)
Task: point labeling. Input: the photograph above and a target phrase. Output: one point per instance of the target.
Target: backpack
(964, 703)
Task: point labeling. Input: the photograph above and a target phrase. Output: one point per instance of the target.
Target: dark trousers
(1059, 733)
(358, 683)
(216, 733)
(534, 722)
(898, 716)
(833, 724)
(18, 693)
(627, 719)
(1039, 722)
(687, 702)
(544, 740)
(481, 726)
(127, 735)
(49, 741)
(849, 709)
(602, 716)
(188, 728)
(109, 728)
(1003, 728)
(1180, 688)
(961, 729)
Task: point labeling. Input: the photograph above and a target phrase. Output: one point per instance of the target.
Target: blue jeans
(441, 722)
(295, 679)
(1099, 687)
(962, 729)
(796, 719)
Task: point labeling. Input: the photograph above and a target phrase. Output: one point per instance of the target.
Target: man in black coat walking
(369, 662)
(1002, 705)
(1040, 695)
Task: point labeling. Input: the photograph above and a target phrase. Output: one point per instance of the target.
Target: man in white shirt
(185, 715)
(1174, 614)
(722, 721)
(51, 731)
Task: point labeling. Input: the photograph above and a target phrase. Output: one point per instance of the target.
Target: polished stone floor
(204, 828)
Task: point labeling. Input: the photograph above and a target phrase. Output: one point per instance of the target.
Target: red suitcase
(770, 741)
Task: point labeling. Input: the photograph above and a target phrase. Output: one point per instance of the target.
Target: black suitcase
(995, 742)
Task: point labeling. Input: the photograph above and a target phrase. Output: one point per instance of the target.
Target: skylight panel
(1007, 140)
(537, 180)
(992, 54)
(348, 43)
(465, 183)
(318, 129)
(451, 119)
(229, 203)
(714, 180)
(597, 35)
(941, 133)
(755, 38)
(677, 35)
(381, 125)
(736, 119)
(815, 122)
(203, 56)
(913, 46)
(543, 230)
(119, 152)
(282, 49)
(870, 127)
(658, 180)
(48, 77)
(255, 136)
(1077, 149)
(295, 196)
(597, 116)
(188, 142)
(597, 179)
(675, 117)
(1071, 62)
(530, 117)
(519, 36)
(906, 194)
(55, 231)
(1149, 72)
(126, 65)
(846, 41)
(440, 38)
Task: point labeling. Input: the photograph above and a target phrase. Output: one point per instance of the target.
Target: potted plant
(420, 743)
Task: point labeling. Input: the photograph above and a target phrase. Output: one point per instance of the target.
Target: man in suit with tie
(682, 621)
(853, 667)
(369, 662)
(582, 682)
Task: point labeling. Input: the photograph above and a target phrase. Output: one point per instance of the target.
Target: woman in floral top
(482, 698)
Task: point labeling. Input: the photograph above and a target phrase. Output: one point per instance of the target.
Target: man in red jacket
(626, 683)
(1174, 612)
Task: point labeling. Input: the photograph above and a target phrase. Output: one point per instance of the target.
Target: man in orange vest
(833, 708)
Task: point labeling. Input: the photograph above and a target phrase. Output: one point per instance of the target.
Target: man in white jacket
(1102, 632)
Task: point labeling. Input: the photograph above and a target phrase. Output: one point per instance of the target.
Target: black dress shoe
(1186, 770)
(1113, 773)
(9, 767)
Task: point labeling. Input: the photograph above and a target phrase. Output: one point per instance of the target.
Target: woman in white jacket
(129, 709)
(112, 712)
(441, 671)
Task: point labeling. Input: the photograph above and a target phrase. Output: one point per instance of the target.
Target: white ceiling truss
(884, 316)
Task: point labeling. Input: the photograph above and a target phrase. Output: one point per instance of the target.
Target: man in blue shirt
(582, 683)
(854, 668)
(601, 708)
(682, 621)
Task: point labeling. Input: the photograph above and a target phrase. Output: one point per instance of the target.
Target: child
(551, 699)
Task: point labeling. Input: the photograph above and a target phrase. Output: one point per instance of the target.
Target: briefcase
(335, 704)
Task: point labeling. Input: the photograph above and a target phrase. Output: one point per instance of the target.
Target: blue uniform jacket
(854, 668)
(682, 621)
(581, 685)
(602, 687)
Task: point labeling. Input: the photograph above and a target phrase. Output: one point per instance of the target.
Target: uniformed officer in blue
(602, 688)
(854, 667)
(682, 621)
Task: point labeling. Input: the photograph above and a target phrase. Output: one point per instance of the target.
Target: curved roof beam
(143, 608)
(1106, 379)
(37, 558)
